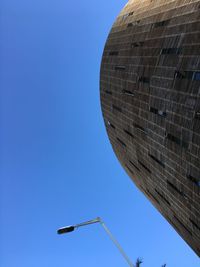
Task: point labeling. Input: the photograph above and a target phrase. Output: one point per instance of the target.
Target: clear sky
(57, 166)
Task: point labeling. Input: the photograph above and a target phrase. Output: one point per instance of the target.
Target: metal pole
(116, 243)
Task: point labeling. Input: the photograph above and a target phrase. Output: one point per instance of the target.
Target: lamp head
(66, 229)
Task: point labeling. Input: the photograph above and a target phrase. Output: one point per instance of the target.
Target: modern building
(150, 97)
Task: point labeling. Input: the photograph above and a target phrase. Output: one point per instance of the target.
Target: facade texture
(150, 97)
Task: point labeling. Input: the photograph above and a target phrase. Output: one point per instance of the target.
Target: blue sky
(57, 166)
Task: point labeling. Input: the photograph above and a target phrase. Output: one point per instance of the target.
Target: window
(114, 53)
(176, 189)
(129, 25)
(131, 13)
(185, 75)
(139, 127)
(121, 142)
(129, 169)
(157, 160)
(158, 112)
(111, 125)
(137, 44)
(195, 224)
(163, 198)
(183, 226)
(108, 92)
(128, 92)
(197, 115)
(120, 67)
(171, 51)
(130, 134)
(177, 140)
(144, 79)
(161, 23)
(117, 108)
(194, 179)
(134, 165)
(197, 76)
(145, 167)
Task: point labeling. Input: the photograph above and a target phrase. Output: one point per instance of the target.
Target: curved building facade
(150, 98)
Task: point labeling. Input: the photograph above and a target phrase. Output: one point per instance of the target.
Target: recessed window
(128, 92)
(129, 25)
(144, 166)
(134, 165)
(197, 76)
(129, 169)
(176, 189)
(162, 197)
(137, 44)
(144, 79)
(158, 112)
(139, 127)
(194, 179)
(121, 142)
(177, 140)
(183, 226)
(117, 108)
(161, 23)
(190, 75)
(195, 224)
(108, 92)
(130, 134)
(131, 13)
(197, 115)
(171, 51)
(120, 67)
(157, 160)
(114, 53)
(151, 196)
(111, 125)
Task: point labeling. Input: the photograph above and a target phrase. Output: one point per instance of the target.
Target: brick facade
(150, 97)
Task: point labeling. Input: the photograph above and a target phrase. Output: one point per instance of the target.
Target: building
(150, 98)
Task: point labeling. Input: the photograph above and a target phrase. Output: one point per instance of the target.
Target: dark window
(120, 67)
(127, 92)
(129, 169)
(121, 142)
(108, 92)
(145, 167)
(157, 160)
(151, 196)
(171, 51)
(177, 140)
(184, 75)
(137, 44)
(161, 23)
(183, 226)
(197, 76)
(111, 125)
(144, 79)
(197, 115)
(114, 53)
(193, 179)
(117, 108)
(163, 198)
(158, 112)
(176, 189)
(195, 224)
(129, 25)
(134, 165)
(139, 127)
(131, 13)
(130, 134)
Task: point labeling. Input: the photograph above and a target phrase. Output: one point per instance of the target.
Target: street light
(71, 228)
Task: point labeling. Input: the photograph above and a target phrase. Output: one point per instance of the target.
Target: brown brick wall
(150, 97)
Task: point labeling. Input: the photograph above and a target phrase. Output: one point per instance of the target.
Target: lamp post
(71, 228)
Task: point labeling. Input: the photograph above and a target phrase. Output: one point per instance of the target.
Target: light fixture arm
(97, 220)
